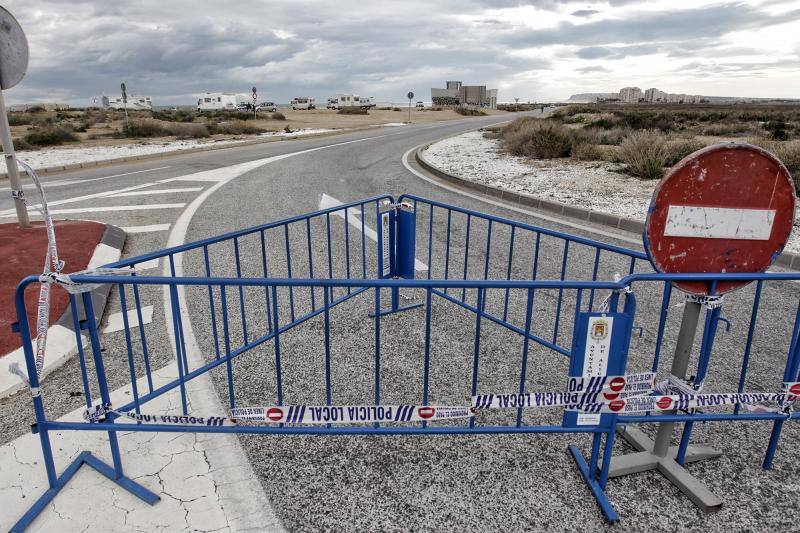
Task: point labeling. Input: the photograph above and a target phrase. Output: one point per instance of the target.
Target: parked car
(267, 107)
(420, 105)
(245, 106)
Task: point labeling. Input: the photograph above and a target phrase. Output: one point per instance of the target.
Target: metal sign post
(255, 96)
(702, 219)
(13, 64)
(410, 97)
(125, 103)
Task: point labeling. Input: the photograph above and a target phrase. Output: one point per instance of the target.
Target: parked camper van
(134, 102)
(303, 103)
(224, 101)
(349, 100)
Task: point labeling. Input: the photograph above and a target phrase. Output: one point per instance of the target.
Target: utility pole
(13, 65)
(124, 103)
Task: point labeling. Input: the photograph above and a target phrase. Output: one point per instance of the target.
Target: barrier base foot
(594, 485)
(84, 458)
(397, 310)
(644, 460)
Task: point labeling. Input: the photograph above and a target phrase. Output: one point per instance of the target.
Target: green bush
(36, 109)
(352, 111)
(645, 153)
(50, 136)
(21, 144)
(277, 115)
(542, 139)
(396, 109)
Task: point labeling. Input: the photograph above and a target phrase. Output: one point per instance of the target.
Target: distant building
(456, 94)
(630, 95)
(654, 95)
(134, 102)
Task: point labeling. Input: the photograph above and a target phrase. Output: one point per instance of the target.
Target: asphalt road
(476, 483)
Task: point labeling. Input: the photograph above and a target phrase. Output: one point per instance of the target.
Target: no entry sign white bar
(719, 223)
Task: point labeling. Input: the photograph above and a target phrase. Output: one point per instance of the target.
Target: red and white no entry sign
(727, 208)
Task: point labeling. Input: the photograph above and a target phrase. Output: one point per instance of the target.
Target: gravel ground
(480, 483)
(53, 157)
(595, 185)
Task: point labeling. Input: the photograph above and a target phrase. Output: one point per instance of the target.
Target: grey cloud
(588, 70)
(584, 13)
(616, 52)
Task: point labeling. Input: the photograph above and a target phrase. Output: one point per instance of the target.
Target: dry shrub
(143, 128)
(277, 115)
(470, 111)
(587, 152)
(681, 148)
(236, 127)
(597, 135)
(787, 151)
(541, 139)
(645, 153)
(187, 130)
(49, 136)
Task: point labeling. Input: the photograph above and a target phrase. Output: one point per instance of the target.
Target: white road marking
(328, 201)
(146, 229)
(62, 183)
(116, 323)
(106, 208)
(197, 177)
(719, 223)
(556, 220)
(158, 191)
(32, 208)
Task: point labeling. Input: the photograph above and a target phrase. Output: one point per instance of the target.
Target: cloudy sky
(536, 50)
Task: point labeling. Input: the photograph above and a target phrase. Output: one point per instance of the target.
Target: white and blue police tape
(100, 412)
(682, 402)
(584, 390)
(614, 386)
(349, 414)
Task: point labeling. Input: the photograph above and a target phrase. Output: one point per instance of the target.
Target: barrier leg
(588, 472)
(659, 454)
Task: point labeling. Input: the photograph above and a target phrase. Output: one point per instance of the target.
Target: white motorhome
(223, 101)
(349, 100)
(303, 103)
(134, 102)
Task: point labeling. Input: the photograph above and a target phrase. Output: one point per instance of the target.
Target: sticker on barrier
(350, 414)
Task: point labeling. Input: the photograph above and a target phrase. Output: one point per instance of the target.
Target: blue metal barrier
(262, 282)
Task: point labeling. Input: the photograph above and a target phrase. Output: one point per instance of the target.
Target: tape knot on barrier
(709, 302)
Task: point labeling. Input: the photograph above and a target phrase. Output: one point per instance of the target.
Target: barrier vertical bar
(594, 278)
(430, 239)
(560, 291)
(289, 269)
(427, 359)
(377, 348)
(277, 329)
(508, 271)
(76, 325)
(128, 345)
(789, 374)
(327, 322)
(363, 245)
(466, 258)
(310, 263)
(347, 246)
(330, 252)
(179, 325)
(476, 354)
(447, 248)
(33, 380)
(211, 305)
(749, 343)
(265, 269)
(662, 322)
(226, 334)
(525, 347)
(143, 338)
(102, 384)
(241, 290)
(173, 296)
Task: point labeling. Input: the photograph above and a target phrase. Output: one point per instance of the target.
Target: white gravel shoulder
(598, 186)
(60, 156)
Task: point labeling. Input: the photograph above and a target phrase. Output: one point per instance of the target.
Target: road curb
(62, 344)
(786, 259)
